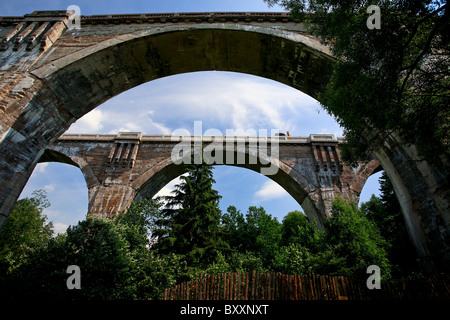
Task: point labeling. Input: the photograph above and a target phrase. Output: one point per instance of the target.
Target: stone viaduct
(120, 168)
(51, 74)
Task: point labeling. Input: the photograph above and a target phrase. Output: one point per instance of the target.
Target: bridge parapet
(312, 138)
(189, 17)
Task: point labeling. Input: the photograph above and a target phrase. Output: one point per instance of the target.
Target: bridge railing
(326, 138)
(191, 17)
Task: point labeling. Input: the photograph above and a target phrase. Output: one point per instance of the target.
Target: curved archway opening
(371, 187)
(242, 188)
(66, 191)
(282, 177)
(221, 100)
(214, 97)
(109, 68)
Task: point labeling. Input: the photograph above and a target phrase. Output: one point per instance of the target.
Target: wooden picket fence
(275, 286)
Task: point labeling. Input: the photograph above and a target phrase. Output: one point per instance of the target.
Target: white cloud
(234, 100)
(165, 191)
(40, 167)
(141, 124)
(168, 188)
(52, 214)
(89, 123)
(221, 100)
(56, 218)
(50, 187)
(60, 227)
(270, 190)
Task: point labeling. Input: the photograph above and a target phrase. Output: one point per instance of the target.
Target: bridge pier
(110, 200)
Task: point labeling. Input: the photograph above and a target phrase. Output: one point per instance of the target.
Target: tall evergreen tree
(190, 223)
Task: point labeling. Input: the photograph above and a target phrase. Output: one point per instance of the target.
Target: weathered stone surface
(51, 75)
(127, 166)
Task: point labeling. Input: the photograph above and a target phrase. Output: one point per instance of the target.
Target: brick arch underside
(91, 79)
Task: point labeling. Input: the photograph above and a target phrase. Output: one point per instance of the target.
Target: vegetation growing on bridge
(394, 79)
(119, 258)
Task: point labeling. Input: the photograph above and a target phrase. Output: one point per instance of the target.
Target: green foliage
(140, 221)
(245, 262)
(190, 225)
(100, 246)
(264, 233)
(258, 232)
(349, 245)
(112, 255)
(234, 228)
(117, 261)
(353, 236)
(293, 259)
(25, 230)
(220, 265)
(395, 79)
(297, 229)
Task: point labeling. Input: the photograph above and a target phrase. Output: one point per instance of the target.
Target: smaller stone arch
(155, 178)
(127, 166)
(51, 155)
(63, 156)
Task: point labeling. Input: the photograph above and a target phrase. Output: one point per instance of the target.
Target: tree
(393, 80)
(264, 232)
(293, 259)
(141, 221)
(190, 223)
(351, 235)
(25, 231)
(296, 228)
(111, 267)
(257, 235)
(234, 229)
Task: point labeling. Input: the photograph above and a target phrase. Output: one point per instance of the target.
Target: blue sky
(221, 100)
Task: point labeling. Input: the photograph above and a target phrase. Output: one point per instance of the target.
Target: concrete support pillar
(424, 196)
(110, 200)
(30, 119)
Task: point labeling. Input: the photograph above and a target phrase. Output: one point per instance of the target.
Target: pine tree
(190, 223)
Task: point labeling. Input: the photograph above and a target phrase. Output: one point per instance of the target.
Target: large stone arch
(59, 90)
(44, 92)
(88, 77)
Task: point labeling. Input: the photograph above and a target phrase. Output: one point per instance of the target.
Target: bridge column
(114, 192)
(333, 178)
(424, 195)
(109, 200)
(31, 116)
